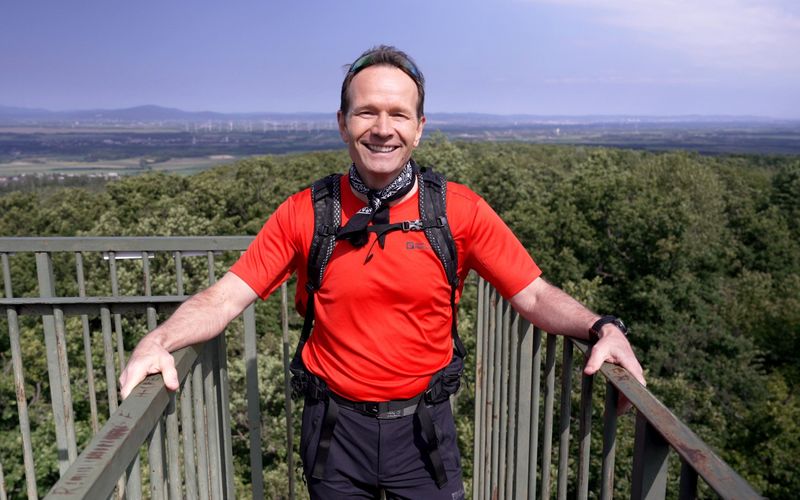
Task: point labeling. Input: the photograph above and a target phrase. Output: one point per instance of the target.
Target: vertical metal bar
(152, 318)
(87, 345)
(112, 270)
(133, 485)
(224, 418)
(490, 393)
(287, 389)
(688, 484)
(609, 442)
(134, 473)
(253, 402)
(521, 401)
(173, 450)
(201, 430)
(584, 434)
(19, 384)
(477, 462)
(57, 371)
(157, 451)
(187, 428)
(505, 338)
(650, 453)
(155, 454)
(222, 390)
(212, 427)
(179, 272)
(108, 355)
(549, 390)
(533, 446)
(2, 484)
(497, 340)
(210, 385)
(564, 418)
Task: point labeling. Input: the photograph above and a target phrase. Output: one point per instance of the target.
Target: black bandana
(376, 209)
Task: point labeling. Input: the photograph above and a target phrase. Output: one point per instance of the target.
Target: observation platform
(85, 299)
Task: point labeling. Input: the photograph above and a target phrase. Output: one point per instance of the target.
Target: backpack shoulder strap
(327, 202)
(326, 199)
(433, 213)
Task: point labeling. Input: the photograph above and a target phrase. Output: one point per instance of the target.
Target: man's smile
(375, 148)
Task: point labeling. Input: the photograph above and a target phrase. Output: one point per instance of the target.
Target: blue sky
(566, 57)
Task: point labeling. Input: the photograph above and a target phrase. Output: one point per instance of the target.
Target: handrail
(716, 472)
(96, 471)
(123, 243)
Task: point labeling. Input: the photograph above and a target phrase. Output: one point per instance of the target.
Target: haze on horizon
(538, 57)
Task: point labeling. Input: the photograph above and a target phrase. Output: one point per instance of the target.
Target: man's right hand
(148, 358)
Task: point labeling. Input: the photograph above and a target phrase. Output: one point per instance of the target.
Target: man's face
(381, 128)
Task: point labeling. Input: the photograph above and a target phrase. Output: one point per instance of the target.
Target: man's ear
(420, 127)
(345, 135)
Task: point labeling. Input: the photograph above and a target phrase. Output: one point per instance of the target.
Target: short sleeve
(497, 254)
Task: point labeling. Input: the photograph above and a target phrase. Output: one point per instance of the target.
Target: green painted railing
(186, 436)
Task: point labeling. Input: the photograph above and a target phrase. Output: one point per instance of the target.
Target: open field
(126, 166)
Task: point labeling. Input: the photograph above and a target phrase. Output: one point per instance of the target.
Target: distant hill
(10, 115)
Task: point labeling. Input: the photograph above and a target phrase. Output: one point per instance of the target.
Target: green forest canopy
(699, 254)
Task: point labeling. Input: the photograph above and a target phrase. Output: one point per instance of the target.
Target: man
(383, 311)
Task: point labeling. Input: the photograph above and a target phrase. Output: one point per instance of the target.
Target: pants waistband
(381, 409)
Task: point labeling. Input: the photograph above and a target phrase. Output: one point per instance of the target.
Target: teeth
(381, 149)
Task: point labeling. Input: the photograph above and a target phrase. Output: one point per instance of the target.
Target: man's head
(388, 56)
(381, 117)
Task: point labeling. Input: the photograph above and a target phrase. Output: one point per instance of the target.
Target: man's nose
(382, 125)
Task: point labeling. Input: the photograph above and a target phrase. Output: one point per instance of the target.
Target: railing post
(287, 388)
(650, 453)
(19, 383)
(57, 368)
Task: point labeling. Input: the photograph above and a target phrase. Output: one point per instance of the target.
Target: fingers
(169, 373)
(140, 366)
(619, 352)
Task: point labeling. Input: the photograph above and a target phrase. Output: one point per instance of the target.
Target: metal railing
(179, 445)
(514, 425)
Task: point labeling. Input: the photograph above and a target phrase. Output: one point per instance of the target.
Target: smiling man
(381, 255)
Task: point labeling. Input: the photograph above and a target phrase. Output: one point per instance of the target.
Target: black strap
(326, 197)
(433, 205)
(325, 437)
(431, 438)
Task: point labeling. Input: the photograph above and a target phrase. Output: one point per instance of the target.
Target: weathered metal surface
(125, 244)
(524, 404)
(609, 442)
(564, 419)
(94, 474)
(714, 471)
(253, 402)
(549, 398)
(187, 425)
(650, 454)
(87, 346)
(287, 389)
(60, 395)
(585, 435)
(19, 384)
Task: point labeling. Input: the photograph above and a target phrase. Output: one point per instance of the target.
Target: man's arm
(201, 317)
(549, 308)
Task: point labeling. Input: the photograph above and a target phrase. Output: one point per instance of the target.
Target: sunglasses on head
(366, 61)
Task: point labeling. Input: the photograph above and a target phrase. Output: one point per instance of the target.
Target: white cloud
(746, 34)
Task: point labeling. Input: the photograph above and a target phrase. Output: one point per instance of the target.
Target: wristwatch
(594, 331)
